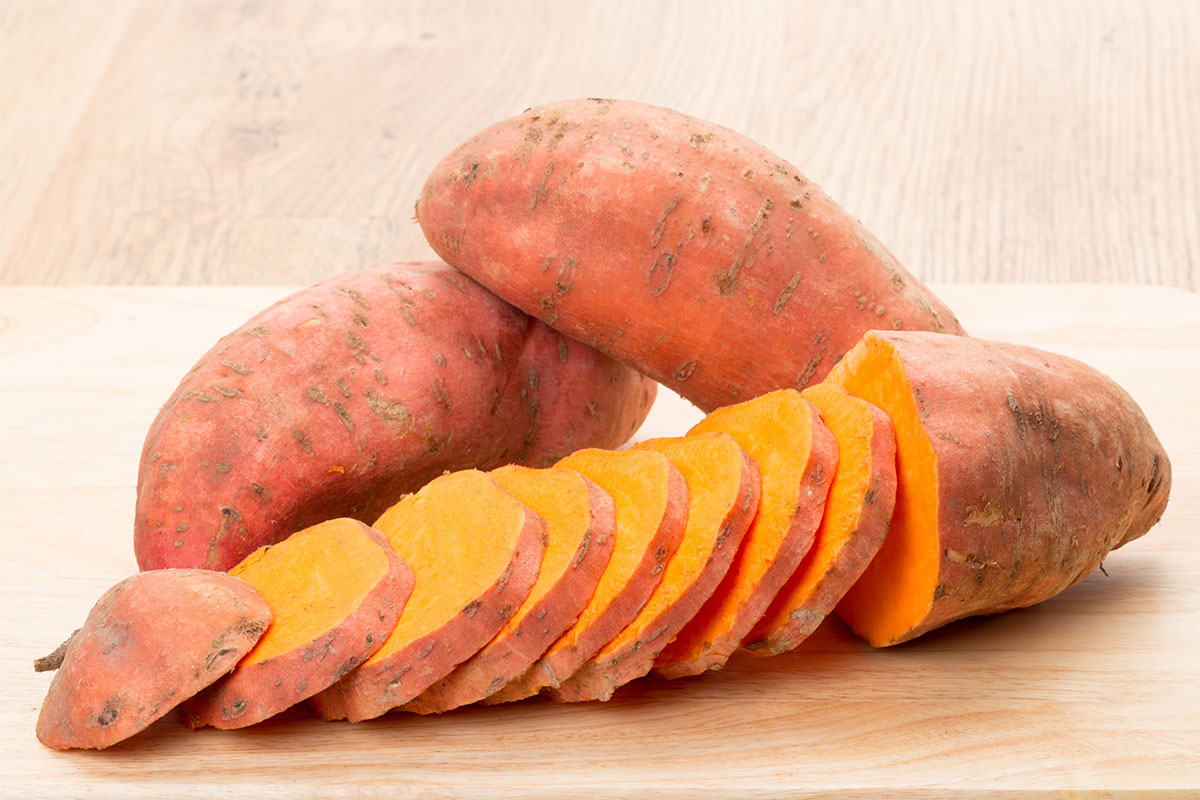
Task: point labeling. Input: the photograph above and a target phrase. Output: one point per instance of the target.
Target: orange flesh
(711, 465)
(849, 420)
(458, 534)
(638, 483)
(895, 592)
(312, 580)
(560, 497)
(775, 430)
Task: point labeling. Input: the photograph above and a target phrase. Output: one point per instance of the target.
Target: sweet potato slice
(150, 642)
(856, 518)
(651, 506)
(476, 552)
(723, 490)
(336, 591)
(1018, 471)
(580, 524)
(796, 456)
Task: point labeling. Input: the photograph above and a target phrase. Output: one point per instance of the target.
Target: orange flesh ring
(895, 593)
(712, 470)
(849, 420)
(312, 580)
(458, 534)
(638, 482)
(561, 499)
(775, 430)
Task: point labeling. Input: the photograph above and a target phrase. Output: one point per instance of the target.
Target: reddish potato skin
(373, 689)
(150, 641)
(1045, 465)
(255, 692)
(337, 400)
(675, 245)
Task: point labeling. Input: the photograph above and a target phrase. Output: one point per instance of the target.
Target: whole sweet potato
(675, 245)
(339, 399)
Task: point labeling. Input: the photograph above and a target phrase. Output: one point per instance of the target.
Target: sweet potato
(151, 641)
(796, 456)
(336, 591)
(580, 523)
(1019, 470)
(856, 517)
(650, 499)
(476, 552)
(723, 492)
(339, 399)
(673, 244)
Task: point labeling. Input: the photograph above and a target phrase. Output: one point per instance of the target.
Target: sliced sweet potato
(476, 552)
(651, 504)
(723, 492)
(336, 591)
(796, 456)
(856, 518)
(580, 524)
(150, 642)
(1019, 470)
(339, 399)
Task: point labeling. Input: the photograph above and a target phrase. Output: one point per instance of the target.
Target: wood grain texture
(234, 141)
(1091, 694)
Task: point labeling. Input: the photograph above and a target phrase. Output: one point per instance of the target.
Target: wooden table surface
(1095, 693)
(241, 141)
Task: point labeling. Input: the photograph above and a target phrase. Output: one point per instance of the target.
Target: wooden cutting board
(1093, 693)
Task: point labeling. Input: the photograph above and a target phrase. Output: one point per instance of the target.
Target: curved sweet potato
(150, 642)
(581, 525)
(796, 456)
(673, 244)
(336, 591)
(476, 552)
(650, 498)
(1019, 470)
(856, 517)
(339, 399)
(723, 492)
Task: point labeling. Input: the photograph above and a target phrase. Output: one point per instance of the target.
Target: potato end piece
(151, 641)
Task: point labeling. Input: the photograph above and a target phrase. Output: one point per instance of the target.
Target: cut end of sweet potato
(896, 591)
(856, 517)
(336, 590)
(723, 493)
(796, 458)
